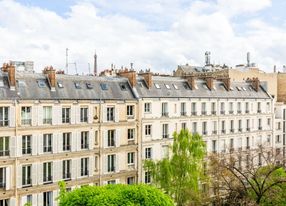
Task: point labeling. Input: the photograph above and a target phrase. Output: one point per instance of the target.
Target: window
(147, 107)
(248, 125)
(223, 126)
(184, 125)
(214, 127)
(165, 109)
(165, 131)
(148, 153)
(183, 109)
(4, 202)
(157, 86)
(66, 169)
(175, 86)
(246, 107)
(259, 124)
(231, 144)
(204, 110)
(213, 108)
(147, 177)
(231, 108)
(194, 127)
(110, 113)
(77, 85)
(130, 133)
(96, 137)
(130, 180)
(66, 141)
(130, 111)
(111, 138)
(123, 87)
(186, 86)
(214, 146)
(204, 125)
(268, 106)
(167, 86)
(26, 144)
(41, 83)
(194, 109)
(26, 175)
(222, 108)
(111, 182)
(231, 126)
(130, 158)
(247, 143)
(278, 139)
(4, 116)
(26, 115)
(48, 199)
(84, 140)
(240, 125)
(258, 107)
(83, 114)
(29, 199)
(148, 130)
(89, 86)
(4, 146)
(47, 169)
(60, 85)
(238, 107)
(66, 115)
(103, 86)
(84, 166)
(111, 163)
(165, 151)
(47, 143)
(47, 115)
(2, 177)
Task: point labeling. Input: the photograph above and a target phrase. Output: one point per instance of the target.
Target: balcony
(4, 123)
(213, 112)
(47, 121)
(247, 111)
(84, 172)
(27, 150)
(84, 146)
(223, 131)
(48, 149)
(222, 112)
(232, 130)
(214, 132)
(48, 179)
(183, 113)
(26, 122)
(238, 111)
(204, 112)
(67, 176)
(230, 112)
(27, 182)
(4, 153)
(66, 147)
(165, 136)
(165, 114)
(194, 113)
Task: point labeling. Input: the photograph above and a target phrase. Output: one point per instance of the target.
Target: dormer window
(238, 88)
(186, 86)
(175, 86)
(167, 86)
(89, 86)
(41, 83)
(157, 86)
(123, 87)
(60, 85)
(104, 86)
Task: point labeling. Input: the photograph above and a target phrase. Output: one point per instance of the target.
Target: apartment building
(231, 116)
(79, 129)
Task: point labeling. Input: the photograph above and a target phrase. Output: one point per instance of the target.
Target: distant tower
(248, 59)
(95, 65)
(208, 58)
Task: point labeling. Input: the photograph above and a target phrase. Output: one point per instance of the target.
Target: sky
(155, 34)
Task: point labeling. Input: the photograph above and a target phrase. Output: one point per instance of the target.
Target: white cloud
(31, 33)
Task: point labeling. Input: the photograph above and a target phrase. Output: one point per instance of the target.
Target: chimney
(148, 78)
(248, 59)
(192, 82)
(226, 82)
(210, 82)
(11, 76)
(207, 58)
(51, 75)
(130, 75)
(274, 69)
(255, 83)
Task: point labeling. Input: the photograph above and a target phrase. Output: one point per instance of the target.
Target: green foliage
(28, 204)
(181, 175)
(115, 195)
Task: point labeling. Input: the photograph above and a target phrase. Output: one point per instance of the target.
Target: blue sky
(156, 34)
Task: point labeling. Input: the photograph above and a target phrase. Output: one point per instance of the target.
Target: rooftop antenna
(131, 65)
(207, 58)
(95, 64)
(248, 59)
(67, 63)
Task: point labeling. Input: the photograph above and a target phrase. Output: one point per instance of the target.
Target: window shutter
(117, 181)
(34, 145)
(73, 141)
(73, 114)
(104, 113)
(34, 199)
(13, 146)
(77, 114)
(24, 200)
(116, 115)
(34, 115)
(90, 114)
(104, 163)
(40, 199)
(40, 173)
(55, 142)
(105, 138)
(19, 146)
(57, 115)
(57, 170)
(91, 166)
(91, 139)
(117, 163)
(19, 176)
(8, 178)
(34, 171)
(74, 168)
(12, 201)
(117, 137)
(40, 115)
(78, 141)
(40, 143)
(60, 142)
(12, 116)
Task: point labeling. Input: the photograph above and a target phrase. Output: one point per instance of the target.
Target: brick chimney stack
(10, 69)
(192, 82)
(255, 83)
(148, 78)
(130, 75)
(226, 82)
(210, 82)
(51, 75)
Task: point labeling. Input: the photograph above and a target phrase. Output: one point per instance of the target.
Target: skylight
(41, 83)
(89, 86)
(77, 85)
(157, 86)
(175, 86)
(104, 86)
(186, 86)
(244, 89)
(167, 86)
(60, 85)
(123, 87)
(1, 83)
(238, 88)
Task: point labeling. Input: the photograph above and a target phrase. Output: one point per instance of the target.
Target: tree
(181, 175)
(253, 177)
(115, 195)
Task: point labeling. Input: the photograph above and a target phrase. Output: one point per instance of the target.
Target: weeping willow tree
(181, 176)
